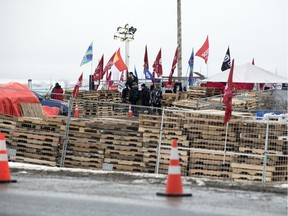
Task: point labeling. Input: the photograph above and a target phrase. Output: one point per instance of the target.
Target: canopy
(247, 73)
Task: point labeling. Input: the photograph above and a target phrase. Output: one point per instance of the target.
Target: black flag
(227, 61)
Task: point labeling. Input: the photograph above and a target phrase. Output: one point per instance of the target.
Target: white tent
(247, 73)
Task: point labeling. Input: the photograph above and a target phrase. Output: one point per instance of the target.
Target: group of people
(149, 99)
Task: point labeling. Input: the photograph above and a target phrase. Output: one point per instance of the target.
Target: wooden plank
(124, 162)
(32, 160)
(31, 110)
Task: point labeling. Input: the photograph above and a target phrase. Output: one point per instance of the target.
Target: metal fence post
(265, 152)
(159, 144)
(66, 134)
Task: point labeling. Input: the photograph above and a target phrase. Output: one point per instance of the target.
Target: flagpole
(91, 75)
(207, 70)
(225, 143)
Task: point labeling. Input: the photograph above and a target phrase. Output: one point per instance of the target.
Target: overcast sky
(47, 39)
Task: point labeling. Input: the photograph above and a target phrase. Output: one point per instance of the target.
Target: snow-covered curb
(185, 180)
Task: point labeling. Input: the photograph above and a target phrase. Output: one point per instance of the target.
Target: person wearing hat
(57, 92)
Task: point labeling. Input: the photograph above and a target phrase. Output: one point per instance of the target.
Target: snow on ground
(185, 180)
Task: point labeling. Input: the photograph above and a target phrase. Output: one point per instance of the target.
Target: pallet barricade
(207, 148)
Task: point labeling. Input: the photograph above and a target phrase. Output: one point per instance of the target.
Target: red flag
(173, 66)
(146, 64)
(77, 86)
(122, 77)
(203, 52)
(99, 70)
(118, 61)
(228, 94)
(253, 62)
(108, 65)
(157, 65)
(108, 79)
(108, 76)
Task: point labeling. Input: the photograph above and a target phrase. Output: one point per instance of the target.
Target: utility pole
(179, 38)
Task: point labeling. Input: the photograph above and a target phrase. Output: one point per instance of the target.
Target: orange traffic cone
(174, 181)
(4, 167)
(76, 113)
(130, 114)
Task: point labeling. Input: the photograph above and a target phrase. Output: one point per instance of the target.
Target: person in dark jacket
(145, 98)
(156, 98)
(134, 97)
(128, 85)
(57, 92)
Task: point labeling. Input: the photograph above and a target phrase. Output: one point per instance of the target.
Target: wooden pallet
(31, 160)
(124, 162)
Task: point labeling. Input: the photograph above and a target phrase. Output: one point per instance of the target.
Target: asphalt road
(43, 194)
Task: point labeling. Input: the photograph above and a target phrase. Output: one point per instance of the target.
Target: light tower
(179, 38)
(125, 34)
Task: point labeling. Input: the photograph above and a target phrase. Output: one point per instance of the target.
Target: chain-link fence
(105, 136)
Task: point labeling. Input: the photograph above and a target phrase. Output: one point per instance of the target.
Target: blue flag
(88, 55)
(148, 75)
(191, 65)
(135, 72)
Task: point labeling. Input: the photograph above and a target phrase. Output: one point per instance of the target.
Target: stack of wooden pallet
(201, 92)
(206, 130)
(252, 141)
(210, 165)
(168, 99)
(83, 147)
(150, 125)
(123, 143)
(36, 141)
(7, 126)
(99, 103)
(213, 91)
(196, 92)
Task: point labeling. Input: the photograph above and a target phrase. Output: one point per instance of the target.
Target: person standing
(156, 99)
(145, 98)
(57, 92)
(134, 97)
(128, 85)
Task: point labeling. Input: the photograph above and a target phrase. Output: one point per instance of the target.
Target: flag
(146, 64)
(122, 77)
(118, 61)
(253, 62)
(191, 66)
(135, 72)
(228, 94)
(148, 75)
(77, 86)
(108, 65)
(88, 55)
(108, 76)
(157, 65)
(227, 61)
(203, 52)
(109, 82)
(118, 66)
(99, 70)
(175, 59)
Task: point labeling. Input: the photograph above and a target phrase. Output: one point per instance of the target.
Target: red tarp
(50, 111)
(12, 94)
(237, 86)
